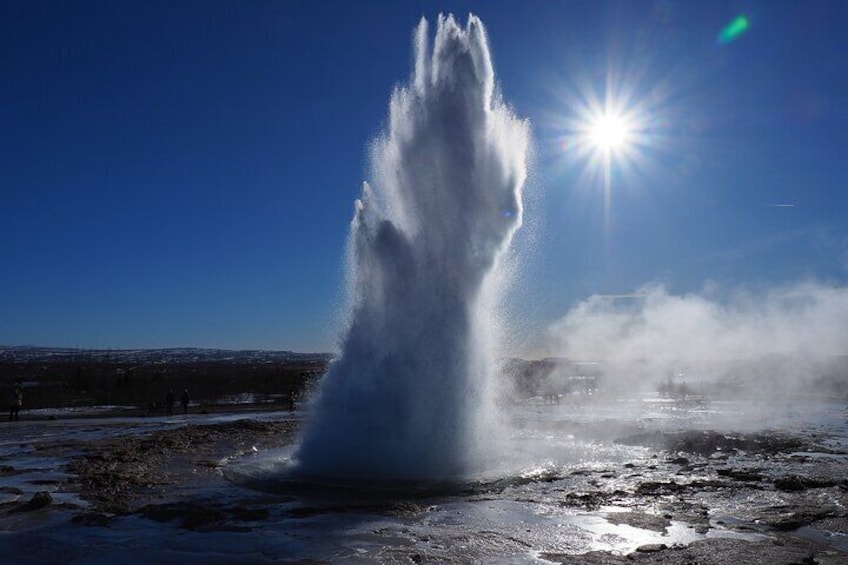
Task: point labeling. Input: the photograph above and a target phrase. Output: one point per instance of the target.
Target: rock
(651, 547)
(640, 520)
(740, 475)
(201, 517)
(249, 514)
(193, 516)
(586, 500)
(92, 519)
(794, 483)
(39, 500)
(657, 487)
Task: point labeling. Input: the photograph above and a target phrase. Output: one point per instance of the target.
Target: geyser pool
(411, 394)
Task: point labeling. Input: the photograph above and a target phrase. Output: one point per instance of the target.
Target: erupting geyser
(410, 396)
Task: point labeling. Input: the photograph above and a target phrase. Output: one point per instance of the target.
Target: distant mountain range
(31, 354)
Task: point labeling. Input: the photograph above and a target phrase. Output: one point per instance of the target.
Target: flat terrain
(154, 489)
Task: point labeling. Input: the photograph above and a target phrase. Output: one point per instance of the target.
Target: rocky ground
(125, 475)
(792, 493)
(787, 494)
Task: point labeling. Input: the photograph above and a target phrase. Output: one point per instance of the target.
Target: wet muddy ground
(98, 492)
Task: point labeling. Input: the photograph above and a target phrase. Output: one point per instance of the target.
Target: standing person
(16, 400)
(169, 401)
(184, 400)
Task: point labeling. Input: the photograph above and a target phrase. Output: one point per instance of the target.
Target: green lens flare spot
(734, 30)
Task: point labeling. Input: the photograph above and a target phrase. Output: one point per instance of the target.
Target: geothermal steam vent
(410, 396)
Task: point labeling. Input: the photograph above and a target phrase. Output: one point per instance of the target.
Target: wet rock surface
(38, 501)
(707, 442)
(117, 475)
(684, 497)
(719, 551)
(658, 523)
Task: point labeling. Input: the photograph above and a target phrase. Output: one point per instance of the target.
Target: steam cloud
(794, 333)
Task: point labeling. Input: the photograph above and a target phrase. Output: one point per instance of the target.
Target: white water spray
(410, 397)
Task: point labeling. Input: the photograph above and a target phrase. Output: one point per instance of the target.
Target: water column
(411, 395)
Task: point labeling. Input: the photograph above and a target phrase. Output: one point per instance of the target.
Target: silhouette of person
(16, 400)
(184, 400)
(170, 398)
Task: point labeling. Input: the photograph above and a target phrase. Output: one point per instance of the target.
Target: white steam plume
(793, 333)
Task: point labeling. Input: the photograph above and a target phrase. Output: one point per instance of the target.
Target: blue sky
(183, 173)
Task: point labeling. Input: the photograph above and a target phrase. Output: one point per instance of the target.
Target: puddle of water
(835, 540)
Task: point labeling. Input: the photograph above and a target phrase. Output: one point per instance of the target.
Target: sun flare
(609, 135)
(609, 132)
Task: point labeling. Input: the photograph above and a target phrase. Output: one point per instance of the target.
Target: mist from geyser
(411, 394)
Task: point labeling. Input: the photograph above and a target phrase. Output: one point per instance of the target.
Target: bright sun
(609, 132)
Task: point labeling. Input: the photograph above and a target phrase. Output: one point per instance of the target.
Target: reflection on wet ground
(640, 477)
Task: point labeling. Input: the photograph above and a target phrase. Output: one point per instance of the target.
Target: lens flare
(734, 30)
